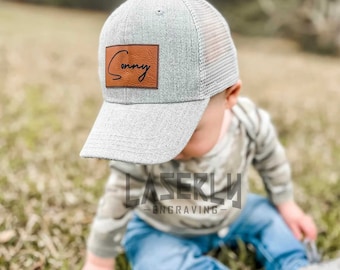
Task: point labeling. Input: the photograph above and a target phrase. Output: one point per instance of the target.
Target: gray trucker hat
(160, 61)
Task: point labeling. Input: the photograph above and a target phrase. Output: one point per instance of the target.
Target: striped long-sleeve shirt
(198, 196)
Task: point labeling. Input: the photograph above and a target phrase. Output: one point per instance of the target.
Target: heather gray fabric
(196, 60)
(251, 139)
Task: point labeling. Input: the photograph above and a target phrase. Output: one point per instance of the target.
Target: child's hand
(301, 224)
(96, 263)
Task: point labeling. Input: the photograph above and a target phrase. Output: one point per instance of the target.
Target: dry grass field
(49, 98)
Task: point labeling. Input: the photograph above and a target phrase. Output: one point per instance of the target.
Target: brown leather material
(132, 66)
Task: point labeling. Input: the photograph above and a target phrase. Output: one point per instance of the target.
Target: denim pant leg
(261, 225)
(148, 248)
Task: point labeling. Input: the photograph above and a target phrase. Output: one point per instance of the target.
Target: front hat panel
(144, 25)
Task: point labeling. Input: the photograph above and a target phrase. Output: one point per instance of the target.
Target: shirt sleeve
(271, 162)
(124, 186)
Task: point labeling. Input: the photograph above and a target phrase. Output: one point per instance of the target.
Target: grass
(49, 98)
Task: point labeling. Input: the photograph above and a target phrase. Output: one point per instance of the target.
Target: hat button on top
(159, 12)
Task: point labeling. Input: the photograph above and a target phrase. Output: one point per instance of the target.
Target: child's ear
(232, 94)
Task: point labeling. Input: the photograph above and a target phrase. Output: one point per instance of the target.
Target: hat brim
(143, 133)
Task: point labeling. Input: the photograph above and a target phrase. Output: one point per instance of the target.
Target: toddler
(181, 140)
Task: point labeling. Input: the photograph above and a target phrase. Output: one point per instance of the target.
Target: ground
(50, 96)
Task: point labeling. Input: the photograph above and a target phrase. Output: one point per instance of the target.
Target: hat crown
(165, 51)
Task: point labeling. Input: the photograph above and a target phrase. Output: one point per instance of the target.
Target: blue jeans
(259, 224)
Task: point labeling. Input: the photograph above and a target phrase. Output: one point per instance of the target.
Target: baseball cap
(160, 62)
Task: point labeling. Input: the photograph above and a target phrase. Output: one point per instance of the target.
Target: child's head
(208, 130)
(160, 62)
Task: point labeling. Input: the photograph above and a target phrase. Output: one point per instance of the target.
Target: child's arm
(113, 214)
(271, 163)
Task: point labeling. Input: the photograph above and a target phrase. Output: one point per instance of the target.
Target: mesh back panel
(218, 60)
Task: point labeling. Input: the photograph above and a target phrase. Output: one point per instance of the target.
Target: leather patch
(132, 66)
